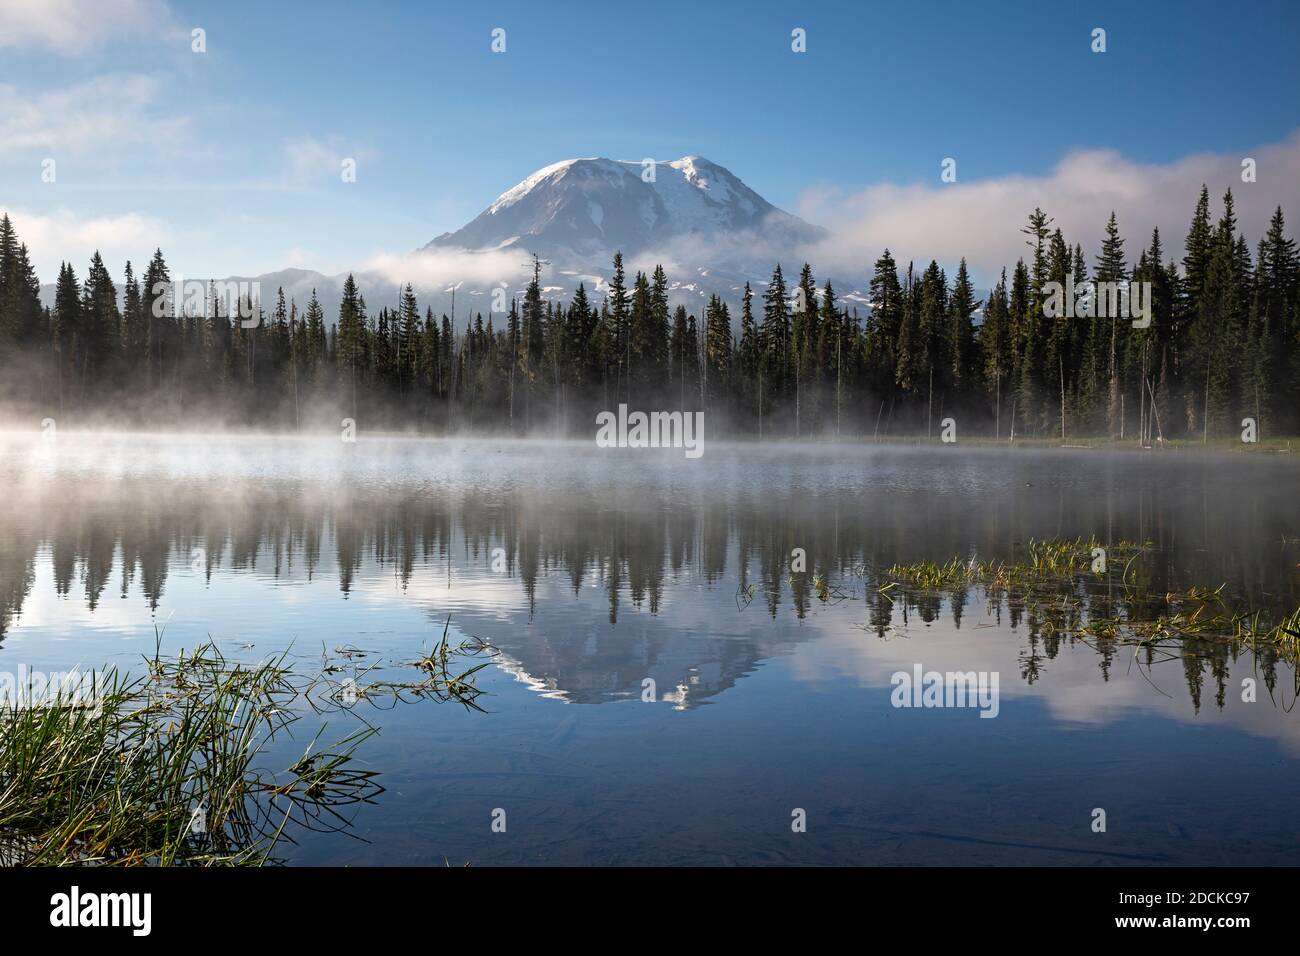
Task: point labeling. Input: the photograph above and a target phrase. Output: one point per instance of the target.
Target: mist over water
(593, 570)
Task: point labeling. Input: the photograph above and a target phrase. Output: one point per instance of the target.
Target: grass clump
(1057, 583)
(174, 766)
(1047, 561)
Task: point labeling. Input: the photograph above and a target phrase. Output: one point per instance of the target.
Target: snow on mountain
(580, 211)
(710, 231)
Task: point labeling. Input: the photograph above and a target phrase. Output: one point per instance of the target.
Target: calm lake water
(593, 571)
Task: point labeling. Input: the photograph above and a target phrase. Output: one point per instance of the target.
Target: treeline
(634, 547)
(1223, 343)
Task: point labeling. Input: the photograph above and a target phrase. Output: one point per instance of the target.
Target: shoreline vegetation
(173, 766)
(1066, 591)
(1219, 342)
(1280, 445)
(1070, 589)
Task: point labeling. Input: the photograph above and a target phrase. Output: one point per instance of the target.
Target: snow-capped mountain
(710, 231)
(578, 212)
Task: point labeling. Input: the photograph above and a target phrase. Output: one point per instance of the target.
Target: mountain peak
(581, 210)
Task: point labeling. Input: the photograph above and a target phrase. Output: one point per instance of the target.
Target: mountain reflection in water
(595, 572)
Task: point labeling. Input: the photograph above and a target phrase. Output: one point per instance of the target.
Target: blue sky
(232, 156)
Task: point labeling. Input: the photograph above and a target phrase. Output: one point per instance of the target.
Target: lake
(694, 658)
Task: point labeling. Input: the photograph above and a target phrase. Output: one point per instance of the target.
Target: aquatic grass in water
(1055, 575)
(1047, 561)
(170, 767)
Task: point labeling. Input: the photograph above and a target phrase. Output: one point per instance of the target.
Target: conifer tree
(411, 330)
(962, 307)
(776, 334)
(619, 316)
(995, 345)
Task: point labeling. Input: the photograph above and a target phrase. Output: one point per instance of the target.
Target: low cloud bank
(981, 219)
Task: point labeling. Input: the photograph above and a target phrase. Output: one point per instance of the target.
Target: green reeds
(1045, 562)
(1054, 574)
(172, 766)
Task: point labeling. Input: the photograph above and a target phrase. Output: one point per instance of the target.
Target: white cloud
(310, 159)
(73, 27)
(98, 115)
(440, 268)
(75, 239)
(297, 257)
(981, 219)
